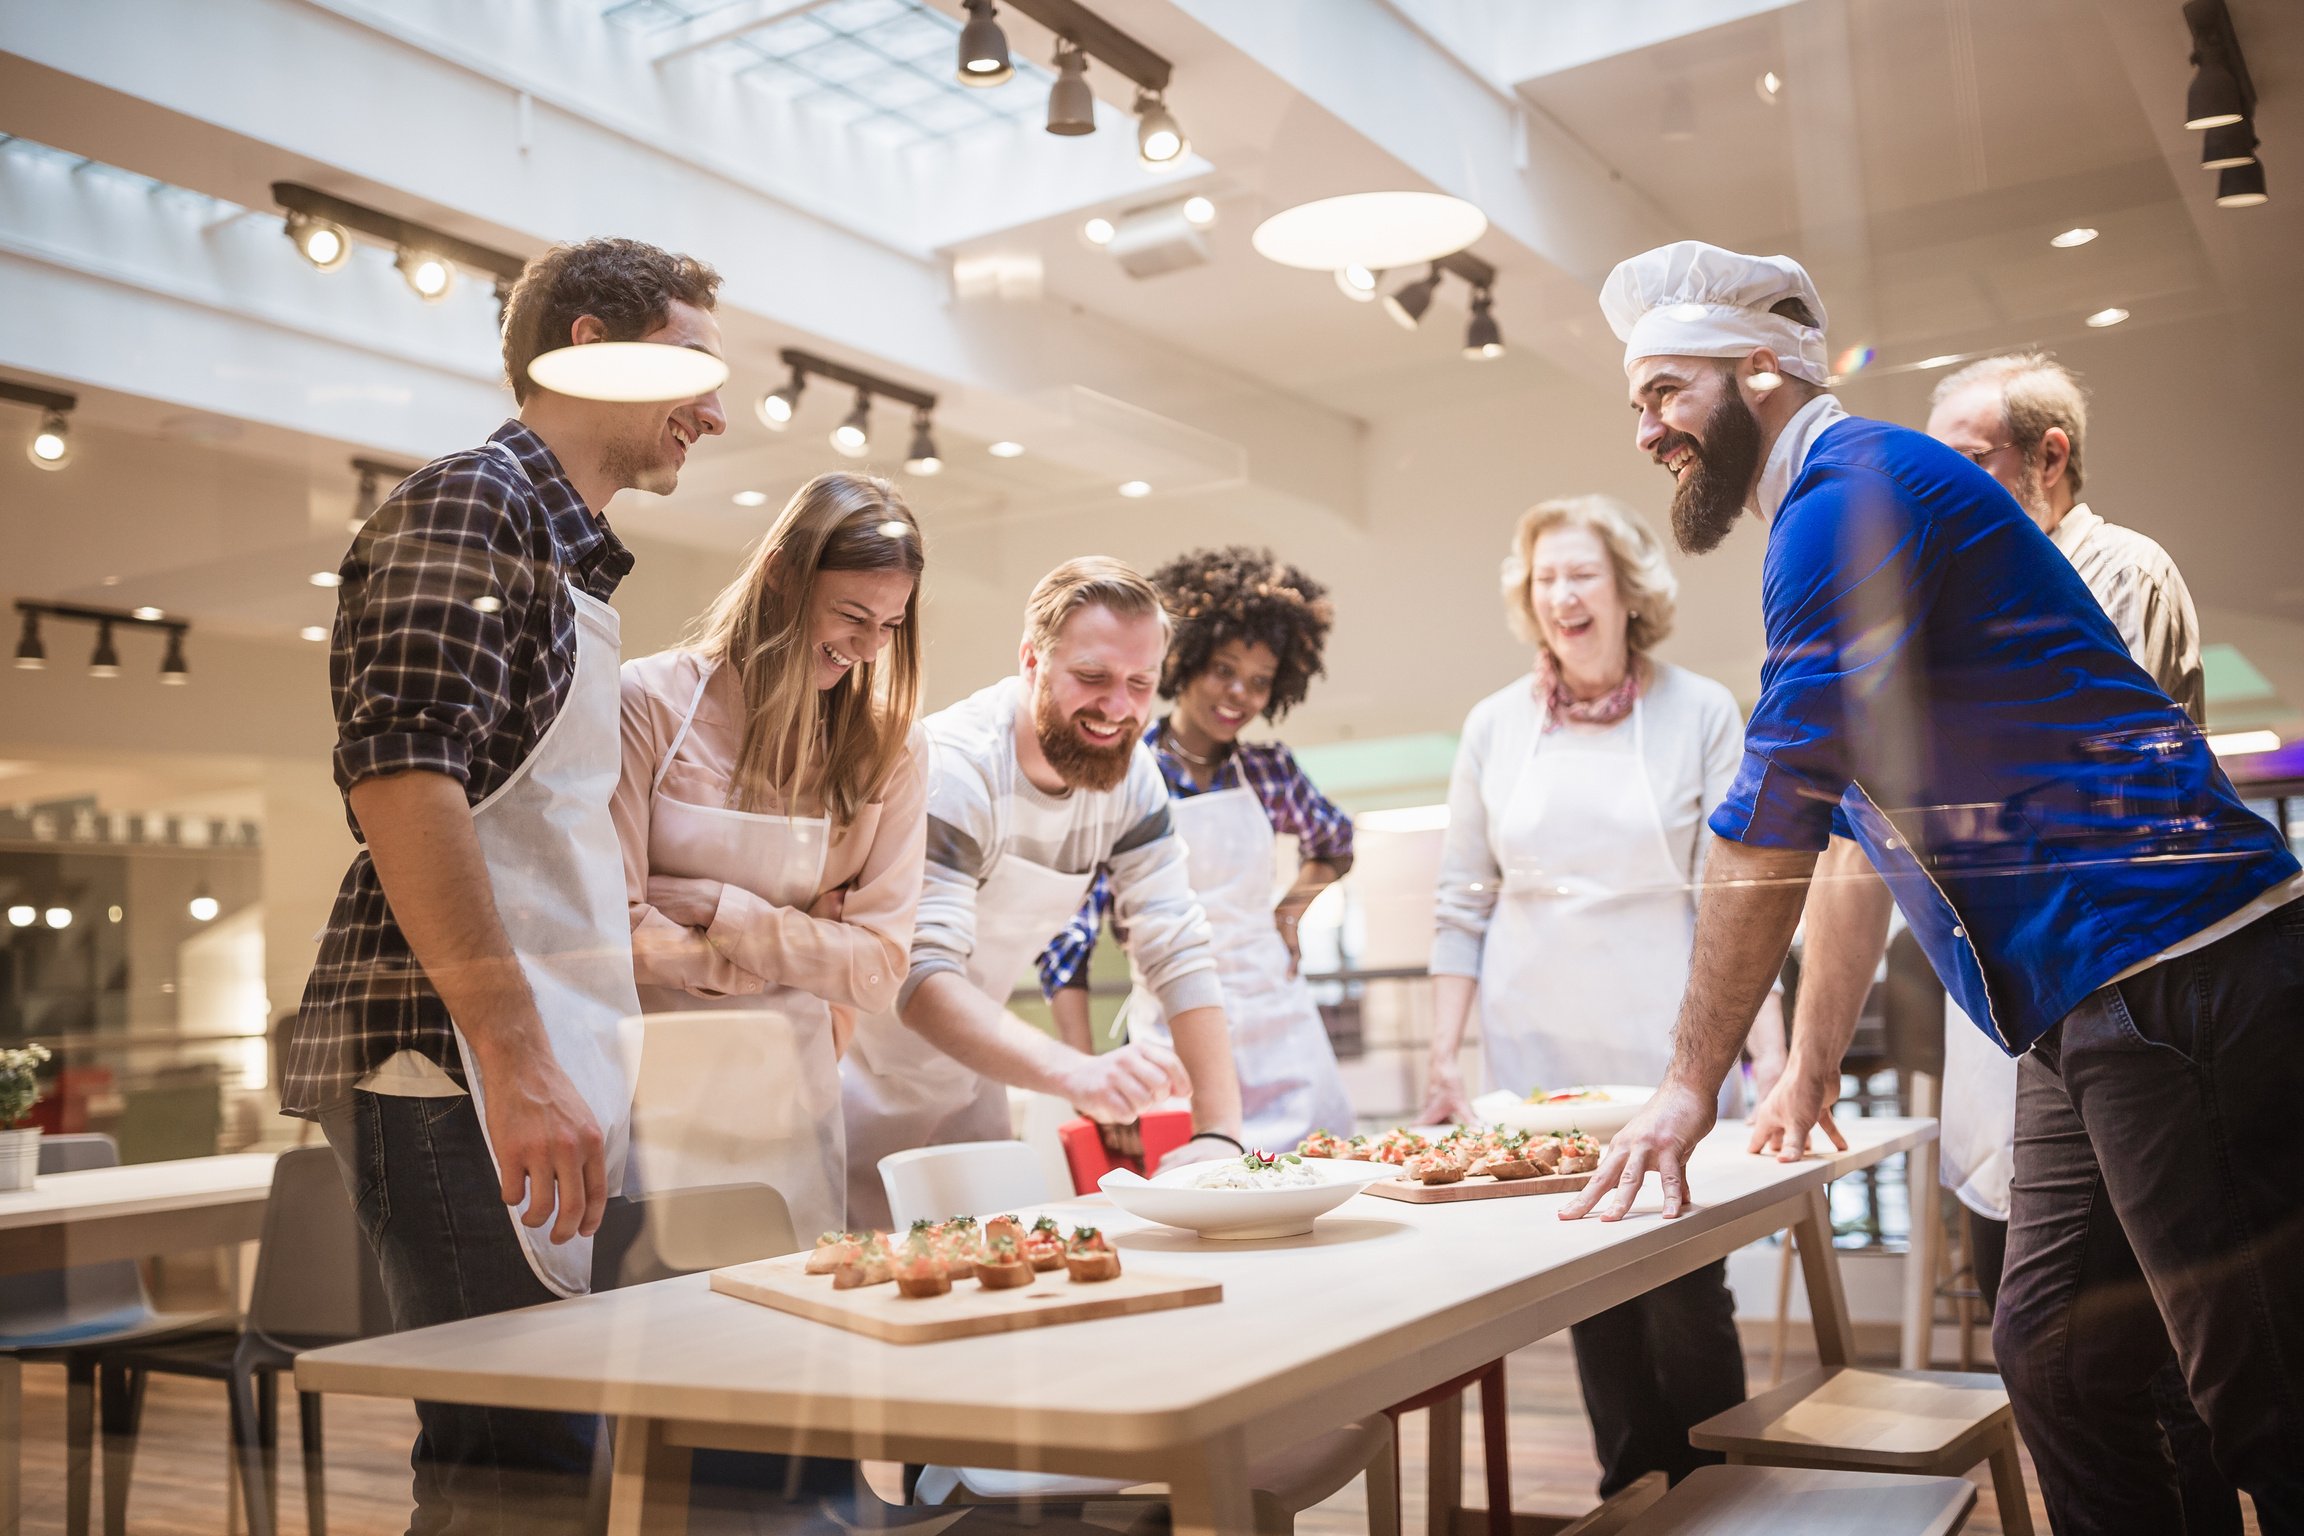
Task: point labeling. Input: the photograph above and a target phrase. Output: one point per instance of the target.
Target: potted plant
(19, 1091)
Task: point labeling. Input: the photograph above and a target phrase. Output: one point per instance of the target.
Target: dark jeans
(1654, 1367)
(2156, 1198)
(2211, 1503)
(427, 1196)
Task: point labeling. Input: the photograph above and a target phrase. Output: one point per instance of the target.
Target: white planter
(19, 1158)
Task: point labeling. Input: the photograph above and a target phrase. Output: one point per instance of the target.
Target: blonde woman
(772, 815)
(1567, 911)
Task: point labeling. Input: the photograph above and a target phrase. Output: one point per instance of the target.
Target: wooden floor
(181, 1488)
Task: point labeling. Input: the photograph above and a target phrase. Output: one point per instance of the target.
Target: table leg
(1820, 1268)
(648, 1492)
(1444, 1465)
(1925, 1191)
(11, 1445)
(1207, 1491)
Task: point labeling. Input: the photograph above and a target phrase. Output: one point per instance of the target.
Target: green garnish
(922, 1226)
(1046, 1224)
(1290, 1157)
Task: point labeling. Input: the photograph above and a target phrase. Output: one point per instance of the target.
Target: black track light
(983, 47)
(104, 661)
(853, 437)
(173, 671)
(31, 655)
(1483, 339)
(1071, 105)
(2230, 145)
(921, 457)
(780, 405)
(1406, 305)
(2242, 186)
(2220, 92)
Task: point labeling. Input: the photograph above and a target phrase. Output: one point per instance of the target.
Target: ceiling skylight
(883, 66)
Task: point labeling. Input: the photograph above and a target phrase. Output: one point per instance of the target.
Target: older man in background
(2023, 419)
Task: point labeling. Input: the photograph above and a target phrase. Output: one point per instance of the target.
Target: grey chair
(316, 1283)
(683, 1231)
(56, 1316)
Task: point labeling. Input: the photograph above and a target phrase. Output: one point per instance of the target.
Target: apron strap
(686, 720)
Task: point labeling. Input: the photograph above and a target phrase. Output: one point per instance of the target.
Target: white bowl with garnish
(1280, 1198)
(1599, 1111)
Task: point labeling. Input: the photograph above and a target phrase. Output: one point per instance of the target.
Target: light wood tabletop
(101, 1214)
(1381, 1301)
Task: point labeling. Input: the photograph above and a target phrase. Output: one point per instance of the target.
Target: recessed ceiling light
(147, 613)
(1098, 231)
(325, 579)
(1770, 85)
(312, 632)
(1005, 450)
(2105, 317)
(1356, 283)
(750, 498)
(2078, 235)
(628, 371)
(1376, 230)
(1199, 212)
(1134, 488)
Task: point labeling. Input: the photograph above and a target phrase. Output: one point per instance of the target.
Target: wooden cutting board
(1480, 1188)
(883, 1312)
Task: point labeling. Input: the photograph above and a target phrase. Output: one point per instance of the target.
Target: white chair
(1784, 1501)
(965, 1178)
(985, 1178)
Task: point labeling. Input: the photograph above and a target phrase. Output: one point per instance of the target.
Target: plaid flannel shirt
(1322, 832)
(454, 647)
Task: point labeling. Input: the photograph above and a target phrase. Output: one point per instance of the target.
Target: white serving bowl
(1169, 1199)
(1601, 1118)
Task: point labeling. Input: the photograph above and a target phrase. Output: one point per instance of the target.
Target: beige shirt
(856, 962)
(2144, 593)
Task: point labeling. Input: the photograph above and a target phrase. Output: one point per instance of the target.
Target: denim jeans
(427, 1196)
(2159, 1196)
(1654, 1367)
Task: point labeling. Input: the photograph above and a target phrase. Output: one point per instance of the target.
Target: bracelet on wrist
(1231, 1141)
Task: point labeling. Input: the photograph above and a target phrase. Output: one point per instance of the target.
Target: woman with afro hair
(1247, 642)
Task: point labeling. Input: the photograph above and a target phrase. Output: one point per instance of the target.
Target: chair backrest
(1912, 1008)
(683, 1231)
(966, 1178)
(1087, 1159)
(57, 1306)
(316, 1277)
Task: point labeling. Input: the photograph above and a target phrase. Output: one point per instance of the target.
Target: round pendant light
(630, 372)
(1375, 230)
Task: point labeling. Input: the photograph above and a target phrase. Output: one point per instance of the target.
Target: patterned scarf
(1561, 706)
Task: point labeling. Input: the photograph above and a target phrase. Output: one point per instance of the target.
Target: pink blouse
(856, 962)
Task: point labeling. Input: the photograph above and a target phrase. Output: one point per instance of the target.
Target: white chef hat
(1689, 299)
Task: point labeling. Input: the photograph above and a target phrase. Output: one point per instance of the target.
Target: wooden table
(102, 1214)
(1381, 1301)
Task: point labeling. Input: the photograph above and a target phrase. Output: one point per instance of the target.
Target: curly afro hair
(1239, 593)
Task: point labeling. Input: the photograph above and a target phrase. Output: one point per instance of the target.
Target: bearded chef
(1035, 784)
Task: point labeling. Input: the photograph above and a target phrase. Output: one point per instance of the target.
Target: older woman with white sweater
(1567, 912)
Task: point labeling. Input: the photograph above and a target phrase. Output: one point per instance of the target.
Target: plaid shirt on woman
(1322, 831)
(454, 646)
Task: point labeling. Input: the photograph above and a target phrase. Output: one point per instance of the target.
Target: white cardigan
(1694, 738)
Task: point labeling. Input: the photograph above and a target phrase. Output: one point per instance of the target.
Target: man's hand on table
(1445, 1100)
(1800, 1102)
(1659, 1139)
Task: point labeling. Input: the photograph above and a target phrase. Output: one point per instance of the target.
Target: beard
(2031, 492)
(1706, 504)
(1078, 764)
(637, 459)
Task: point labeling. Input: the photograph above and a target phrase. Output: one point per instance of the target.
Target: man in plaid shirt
(453, 664)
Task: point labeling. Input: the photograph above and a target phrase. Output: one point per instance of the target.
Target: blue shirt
(1941, 686)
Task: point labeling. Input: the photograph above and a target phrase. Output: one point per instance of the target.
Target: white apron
(557, 875)
(1587, 954)
(897, 1090)
(742, 1089)
(1978, 1116)
(1289, 1082)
